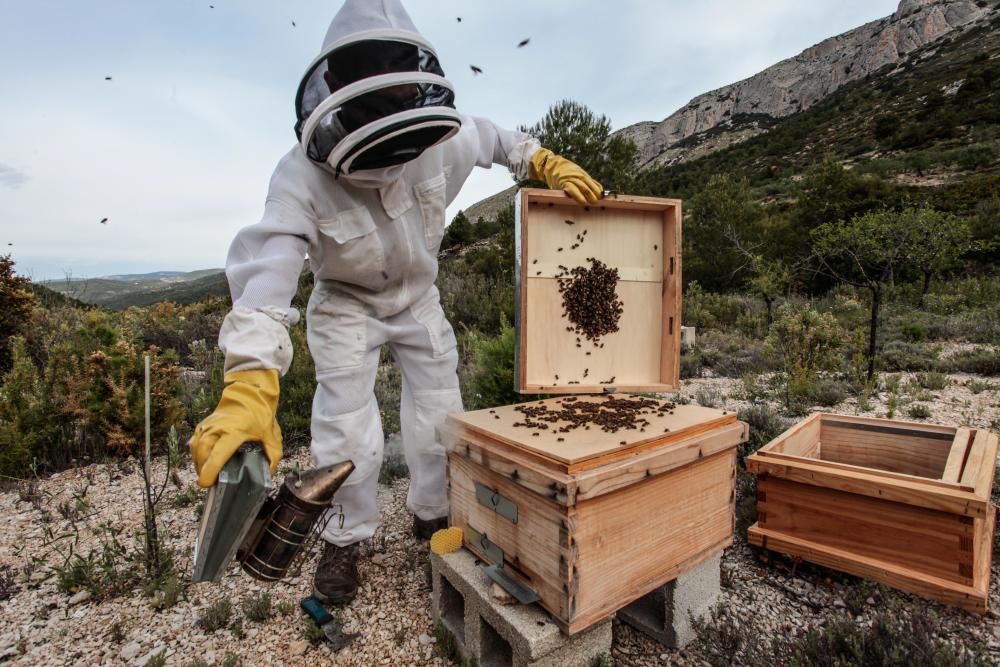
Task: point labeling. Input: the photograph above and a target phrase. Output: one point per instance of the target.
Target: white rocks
(130, 650)
(425, 639)
(81, 596)
(299, 648)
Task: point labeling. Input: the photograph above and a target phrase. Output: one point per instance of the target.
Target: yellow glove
(562, 174)
(246, 412)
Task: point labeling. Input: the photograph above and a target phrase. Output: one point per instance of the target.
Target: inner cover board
(582, 446)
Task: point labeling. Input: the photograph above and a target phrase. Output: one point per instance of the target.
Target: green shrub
(217, 616)
(932, 380)
(803, 343)
(708, 397)
(898, 356)
(979, 362)
(765, 424)
(257, 608)
(827, 392)
(919, 411)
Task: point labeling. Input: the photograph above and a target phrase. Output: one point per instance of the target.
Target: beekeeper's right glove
(246, 412)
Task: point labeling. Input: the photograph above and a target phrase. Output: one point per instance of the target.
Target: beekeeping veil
(376, 96)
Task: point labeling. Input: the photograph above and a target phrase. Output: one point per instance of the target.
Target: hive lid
(582, 448)
(638, 236)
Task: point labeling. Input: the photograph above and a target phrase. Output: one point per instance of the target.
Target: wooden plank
(919, 427)
(631, 355)
(544, 196)
(670, 346)
(872, 484)
(921, 539)
(532, 547)
(516, 465)
(583, 449)
(655, 462)
(798, 439)
(956, 455)
(987, 470)
(985, 528)
(778, 456)
(971, 598)
(977, 458)
(623, 553)
(910, 455)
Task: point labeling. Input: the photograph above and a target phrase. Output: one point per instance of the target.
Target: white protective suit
(372, 239)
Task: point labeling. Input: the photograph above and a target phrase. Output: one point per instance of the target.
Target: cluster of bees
(590, 301)
(610, 414)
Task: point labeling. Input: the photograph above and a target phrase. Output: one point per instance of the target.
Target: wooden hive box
(590, 520)
(640, 237)
(906, 504)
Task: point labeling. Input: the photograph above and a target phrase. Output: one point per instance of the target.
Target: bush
(765, 423)
(827, 392)
(257, 608)
(919, 411)
(979, 362)
(932, 380)
(217, 616)
(802, 343)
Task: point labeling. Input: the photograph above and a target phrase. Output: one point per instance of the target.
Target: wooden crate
(638, 236)
(903, 503)
(598, 523)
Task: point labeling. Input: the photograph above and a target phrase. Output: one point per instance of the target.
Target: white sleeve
(509, 148)
(263, 269)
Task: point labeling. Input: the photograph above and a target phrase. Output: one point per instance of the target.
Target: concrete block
(665, 613)
(497, 635)
(687, 337)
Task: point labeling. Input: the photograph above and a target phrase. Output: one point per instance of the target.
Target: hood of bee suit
(375, 97)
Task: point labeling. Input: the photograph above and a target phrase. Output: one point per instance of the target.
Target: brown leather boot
(336, 579)
(423, 529)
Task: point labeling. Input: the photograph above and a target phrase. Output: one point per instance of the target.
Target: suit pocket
(431, 197)
(352, 249)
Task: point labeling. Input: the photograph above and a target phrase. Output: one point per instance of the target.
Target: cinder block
(687, 337)
(665, 613)
(496, 635)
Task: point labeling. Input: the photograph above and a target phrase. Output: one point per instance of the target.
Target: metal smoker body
(265, 532)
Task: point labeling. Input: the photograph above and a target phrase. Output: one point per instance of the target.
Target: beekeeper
(381, 153)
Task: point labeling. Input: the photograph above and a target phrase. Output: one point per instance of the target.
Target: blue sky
(177, 149)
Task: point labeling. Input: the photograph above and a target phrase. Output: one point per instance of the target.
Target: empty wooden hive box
(906, 504)
(587, 501)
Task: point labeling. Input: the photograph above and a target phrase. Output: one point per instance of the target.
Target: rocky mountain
(736, 112)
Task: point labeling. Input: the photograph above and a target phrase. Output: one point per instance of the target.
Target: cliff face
(799, 82)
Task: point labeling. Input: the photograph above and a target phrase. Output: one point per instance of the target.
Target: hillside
(743, 109)
(931, 122)
(122, 291)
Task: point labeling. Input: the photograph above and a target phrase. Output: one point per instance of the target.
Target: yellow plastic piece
(562, 174)
(446, 540)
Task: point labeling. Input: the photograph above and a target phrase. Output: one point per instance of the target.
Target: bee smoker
(265, 531)
(289, 519)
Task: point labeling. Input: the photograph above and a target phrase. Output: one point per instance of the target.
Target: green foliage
(107, 571)
(573, 131)
(827, 392)
(460, 231)
(803, 343)
(918, 411)
(257, 608)
(311, 632)
(217, 615)
(896, 635)
(724, 213)
(932, 380)
(493, 377)
(158, 660)
(16, 303)
(765, 424)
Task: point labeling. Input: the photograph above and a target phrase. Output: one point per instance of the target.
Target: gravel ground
(39, 625)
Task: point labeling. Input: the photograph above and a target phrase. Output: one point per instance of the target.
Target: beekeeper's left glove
(562, 174)
(246, 412)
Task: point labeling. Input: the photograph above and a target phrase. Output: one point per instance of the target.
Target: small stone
(870, 601)
(82, 596)
(378, 559)
(300, 647)
(425, 640)
(839, 603)
(130, 651)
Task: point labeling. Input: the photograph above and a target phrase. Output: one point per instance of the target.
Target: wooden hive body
(906, 504)
(598, 523)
